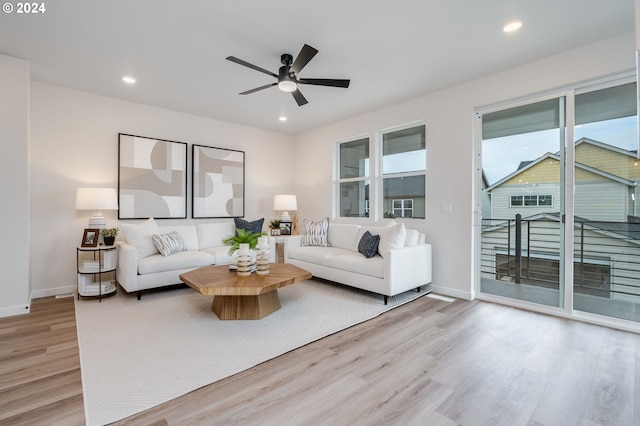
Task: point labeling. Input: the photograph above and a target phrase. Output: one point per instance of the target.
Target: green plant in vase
(274, 224)
(242, 237)
(109, 235)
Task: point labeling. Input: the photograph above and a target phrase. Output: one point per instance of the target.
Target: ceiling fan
(287, 76)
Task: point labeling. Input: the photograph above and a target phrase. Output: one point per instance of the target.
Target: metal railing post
(518, 247)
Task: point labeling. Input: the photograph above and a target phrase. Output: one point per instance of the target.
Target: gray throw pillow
(368, 244)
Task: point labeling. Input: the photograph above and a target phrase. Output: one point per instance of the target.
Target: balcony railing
(527, 251)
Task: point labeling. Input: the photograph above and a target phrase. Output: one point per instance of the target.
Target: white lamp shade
(96, 199)
(285, 202)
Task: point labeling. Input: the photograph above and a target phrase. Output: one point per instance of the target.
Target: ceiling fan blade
(266, 86)
(325, 82)
(301, 100)
(306, 54)
(253, 67)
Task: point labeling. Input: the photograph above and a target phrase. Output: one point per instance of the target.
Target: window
(531, 200)
(404, 164)
(354, 178)
(403, 208)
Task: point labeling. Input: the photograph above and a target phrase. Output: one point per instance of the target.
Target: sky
(501, 156)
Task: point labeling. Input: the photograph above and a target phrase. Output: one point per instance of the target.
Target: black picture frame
(285, 227)
(90, 237)
(152, 178)
(217, 182)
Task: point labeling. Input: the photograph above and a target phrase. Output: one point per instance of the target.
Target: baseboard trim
(49, 292)
(14, 310)
(446, 291)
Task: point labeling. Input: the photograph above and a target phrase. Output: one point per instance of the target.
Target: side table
(96, 265)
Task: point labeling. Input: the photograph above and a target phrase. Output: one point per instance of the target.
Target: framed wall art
(152, 178)
(218, 182)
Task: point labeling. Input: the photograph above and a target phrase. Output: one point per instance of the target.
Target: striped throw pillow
(316, 233)
(169, 243)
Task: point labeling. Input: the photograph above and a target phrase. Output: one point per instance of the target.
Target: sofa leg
(139, 294)
(386, 299)
(418, 289)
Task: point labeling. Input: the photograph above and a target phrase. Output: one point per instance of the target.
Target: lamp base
(97, 221)
(285, 217)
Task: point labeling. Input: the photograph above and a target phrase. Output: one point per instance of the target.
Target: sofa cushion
(343, 235)
(317, 255)
(355, 262)
(187, 232)
(316, 233)
(221, 254)
(169, 244)
(139, 236)
(183, 260)
(368, 245)
(392, 237)
(412, 238)
(212, 234)
(255, 226)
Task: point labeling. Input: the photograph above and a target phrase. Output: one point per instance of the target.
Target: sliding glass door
(521, 253)
(559, 203)
(606, 224)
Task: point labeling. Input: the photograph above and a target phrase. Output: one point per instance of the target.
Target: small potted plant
(242, 237)
(274, 225)
(109, 235)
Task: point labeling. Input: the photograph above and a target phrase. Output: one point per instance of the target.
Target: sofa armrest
(408, 267)
(127, 269)
(289, 243)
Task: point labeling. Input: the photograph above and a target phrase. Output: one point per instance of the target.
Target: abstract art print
(218, 182)
(152, 178)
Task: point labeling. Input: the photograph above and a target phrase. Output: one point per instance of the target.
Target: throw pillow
(255, 226)
(391, 237)
(139, 236)
(316, 233)
(368, 244)
(170, 243)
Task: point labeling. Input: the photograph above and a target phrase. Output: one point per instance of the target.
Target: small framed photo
(285, 228)
(90, 237)
(275, 232)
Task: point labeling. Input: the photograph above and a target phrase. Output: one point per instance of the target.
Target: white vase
(244, 260)
(262, 256)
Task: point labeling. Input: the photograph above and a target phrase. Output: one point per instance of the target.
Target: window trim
(522, 199)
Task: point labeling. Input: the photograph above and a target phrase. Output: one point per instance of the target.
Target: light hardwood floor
(426, 363)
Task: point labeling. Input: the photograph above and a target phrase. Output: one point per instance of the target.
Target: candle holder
(244, 260)
(262, 256)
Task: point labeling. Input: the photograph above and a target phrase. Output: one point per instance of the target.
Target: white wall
(449, 118)
(74, 143)
(14, 192)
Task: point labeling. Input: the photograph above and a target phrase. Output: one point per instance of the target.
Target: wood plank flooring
(428, 362)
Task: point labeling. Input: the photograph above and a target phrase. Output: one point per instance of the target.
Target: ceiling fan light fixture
(287, 86)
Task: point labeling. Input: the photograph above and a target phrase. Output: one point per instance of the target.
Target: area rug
(137, 354)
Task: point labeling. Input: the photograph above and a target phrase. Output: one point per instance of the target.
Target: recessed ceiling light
(512, 26)
(282, 118)
(129, 80)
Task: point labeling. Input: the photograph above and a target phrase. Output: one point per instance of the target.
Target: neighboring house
(607, 235)
(606, 187)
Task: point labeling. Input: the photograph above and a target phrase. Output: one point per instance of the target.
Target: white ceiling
(391, 50)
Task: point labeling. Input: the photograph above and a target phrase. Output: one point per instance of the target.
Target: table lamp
(96, 199)
(285, 202)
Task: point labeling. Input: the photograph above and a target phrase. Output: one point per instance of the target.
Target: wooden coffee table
(243, 298)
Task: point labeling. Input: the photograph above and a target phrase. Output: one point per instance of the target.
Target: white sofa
(403, 263)
(142, 267)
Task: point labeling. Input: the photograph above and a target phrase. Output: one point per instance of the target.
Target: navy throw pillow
(255, 226)
(368, 244)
